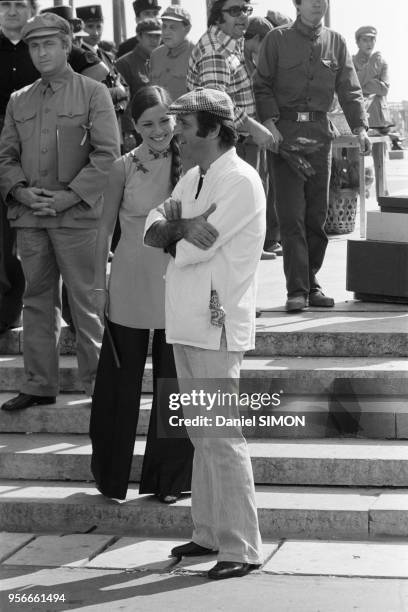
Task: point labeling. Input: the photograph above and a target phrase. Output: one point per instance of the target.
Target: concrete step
(351, 376)
(361, 463)
(334, 333)
(325, 417)
(284, 512)
(347, 334)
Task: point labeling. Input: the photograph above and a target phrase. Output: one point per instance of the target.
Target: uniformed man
(144, 9)
(169, 62)
(84, 61)
(58, 143)
(92, 17)
(300, 67)
(134, 68)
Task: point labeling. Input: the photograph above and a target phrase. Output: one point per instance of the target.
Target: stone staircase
(343, 475)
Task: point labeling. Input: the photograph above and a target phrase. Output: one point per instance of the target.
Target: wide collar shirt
(229, 266)
(168, 68)
(300, 68)
(217, 61)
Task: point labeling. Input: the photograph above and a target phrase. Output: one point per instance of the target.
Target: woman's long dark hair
(145, 98)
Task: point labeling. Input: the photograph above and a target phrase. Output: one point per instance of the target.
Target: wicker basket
(341, 214)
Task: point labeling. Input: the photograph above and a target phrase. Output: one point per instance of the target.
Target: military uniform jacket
(58, 135)
(301, 68)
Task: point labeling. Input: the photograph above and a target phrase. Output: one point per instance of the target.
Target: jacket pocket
(25, 124)
(76, 116)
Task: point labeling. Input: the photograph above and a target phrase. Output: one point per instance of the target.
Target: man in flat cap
(169, 62)
(58, 143)
(301, 66)
(144, 9)
(214, 226)
(81, 60)
(372, 72)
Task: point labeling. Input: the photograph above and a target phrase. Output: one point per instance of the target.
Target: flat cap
(176, 13)
(212, 101)
(145, 5)
(277, 19)
(46, 24)
(258, 26)
(92, 12)
(151, 26)
(65, 11)
(366, 31)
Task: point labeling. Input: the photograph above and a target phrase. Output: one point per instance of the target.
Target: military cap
(145, 5)
(46, 24)
(151, 26)
(78, 27)
(366, 31)
(176, 13)
(258, 26)
(212, 101)
(64, 11)
(93, 12)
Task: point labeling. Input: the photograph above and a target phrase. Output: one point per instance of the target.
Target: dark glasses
(237, 11)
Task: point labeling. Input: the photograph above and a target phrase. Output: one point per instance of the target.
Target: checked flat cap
(212, 101)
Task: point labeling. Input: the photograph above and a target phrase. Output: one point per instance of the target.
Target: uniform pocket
(25, 124)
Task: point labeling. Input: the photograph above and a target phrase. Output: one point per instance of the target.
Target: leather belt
(302, 116)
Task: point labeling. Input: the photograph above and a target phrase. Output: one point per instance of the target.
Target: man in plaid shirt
(217, 62)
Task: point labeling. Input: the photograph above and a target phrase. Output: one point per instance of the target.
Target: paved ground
(95, 573)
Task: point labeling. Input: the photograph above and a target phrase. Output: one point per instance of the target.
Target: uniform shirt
(168, 68)
(217, 61)
(229, 266)
(375, 83)
(134, 69)
(127, 46)
(300, 68)
(28, 145)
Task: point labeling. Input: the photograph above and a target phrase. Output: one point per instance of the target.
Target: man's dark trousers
(302, 210)
(11, 275)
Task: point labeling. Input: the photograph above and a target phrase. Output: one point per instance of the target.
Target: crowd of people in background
(92, 161)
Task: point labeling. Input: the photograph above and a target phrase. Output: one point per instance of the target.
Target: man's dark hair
(207, 122)
(216, 16)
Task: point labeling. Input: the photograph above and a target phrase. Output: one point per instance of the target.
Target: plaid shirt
(217, 61)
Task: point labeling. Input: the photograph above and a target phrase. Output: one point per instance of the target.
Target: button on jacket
(217, 61)
(300, 68)
(168, 68)
(74, 105)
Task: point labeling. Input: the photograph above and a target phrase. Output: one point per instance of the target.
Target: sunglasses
(237, 11)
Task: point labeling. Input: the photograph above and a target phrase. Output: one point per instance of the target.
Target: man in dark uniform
(144, 9)
(92, 17)
(301, 66)
(16, 71)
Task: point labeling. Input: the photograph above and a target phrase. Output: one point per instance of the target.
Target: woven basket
(341, 214)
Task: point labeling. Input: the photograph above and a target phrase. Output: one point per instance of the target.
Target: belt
(302, 116)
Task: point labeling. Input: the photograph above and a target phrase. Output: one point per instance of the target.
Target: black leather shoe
(230, 569)
(23, 400)
(317, 298)
(191, 550)
(296, 303)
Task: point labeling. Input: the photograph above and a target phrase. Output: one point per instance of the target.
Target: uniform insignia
(93, 10)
